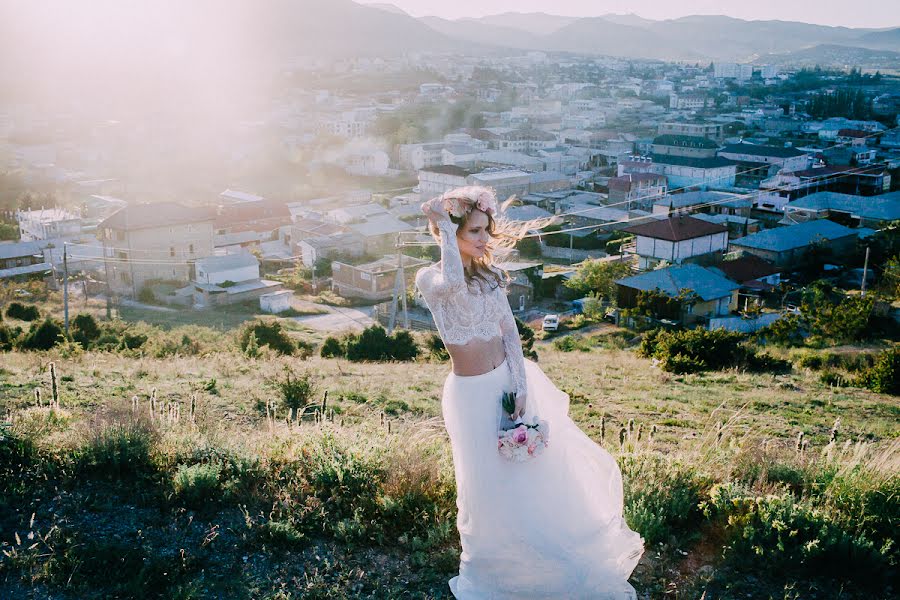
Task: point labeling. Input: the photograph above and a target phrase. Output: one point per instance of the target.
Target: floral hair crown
(461, 201)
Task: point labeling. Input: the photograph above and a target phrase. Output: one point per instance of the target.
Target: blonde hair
(504, 233)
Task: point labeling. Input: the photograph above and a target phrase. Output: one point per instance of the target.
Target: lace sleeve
(451, 277)
(512, 344)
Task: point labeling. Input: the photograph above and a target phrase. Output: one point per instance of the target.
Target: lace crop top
(465, 311)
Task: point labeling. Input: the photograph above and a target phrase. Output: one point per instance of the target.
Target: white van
(551, 323)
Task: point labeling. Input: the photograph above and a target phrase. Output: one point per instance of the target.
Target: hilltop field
(173, 470)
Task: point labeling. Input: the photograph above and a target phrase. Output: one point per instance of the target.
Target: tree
(598, 277)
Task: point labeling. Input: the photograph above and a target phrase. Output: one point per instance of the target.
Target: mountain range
(686, 38)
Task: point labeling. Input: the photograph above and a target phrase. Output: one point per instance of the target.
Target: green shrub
(436, 347)
(9, 337)
(146, 295)
(282, 534)
(811, 361)
(782, 535)
(373, 343)
(267, 334)
(569, 343)
(834, 378)
(404, 345)
(44, 336)
(330, 488)
(884, 375)
(197, 486)
(23, 312)
(332, 348)
(119, 451)
(661, 498)
(786, 331)
(85, 330)
(696, 350)
(296, 391)
(526, 336)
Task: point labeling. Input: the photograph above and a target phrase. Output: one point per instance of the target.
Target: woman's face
(473, 236)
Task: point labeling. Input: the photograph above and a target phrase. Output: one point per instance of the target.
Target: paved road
(339, 319)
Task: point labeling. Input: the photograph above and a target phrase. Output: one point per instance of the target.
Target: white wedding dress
(550, 527)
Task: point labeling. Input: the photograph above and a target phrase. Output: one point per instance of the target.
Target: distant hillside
(832, 55)
(534, 23)
(483, 33)
(882, 40)
(688, 38)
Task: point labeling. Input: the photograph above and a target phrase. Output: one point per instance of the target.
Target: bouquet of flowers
(521, 441)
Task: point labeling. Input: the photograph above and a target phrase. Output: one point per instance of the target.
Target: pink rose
(485, 202)
(520, 435)
(454, 207)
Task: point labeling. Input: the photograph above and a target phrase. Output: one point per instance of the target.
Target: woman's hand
(519, 411)
(434, 210)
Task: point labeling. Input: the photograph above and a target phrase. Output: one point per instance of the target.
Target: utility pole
(865, 270)
(66, 285)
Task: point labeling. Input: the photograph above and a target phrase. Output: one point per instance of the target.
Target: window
(172, 251)
(191, 248)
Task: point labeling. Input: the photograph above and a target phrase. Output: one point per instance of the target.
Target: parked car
(550, 323)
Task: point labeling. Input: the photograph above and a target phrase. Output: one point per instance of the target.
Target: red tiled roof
(747, 268)
(857, 133)
(677, 229)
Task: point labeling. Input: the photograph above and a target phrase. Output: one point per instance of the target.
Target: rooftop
(885, 207)
(676, 229)
(707, 284)
(695, 198)
(794, 236)
(711, 162)
(747, 268)
(448, 170)
(684, 141)
(160, 214)
(758, 150)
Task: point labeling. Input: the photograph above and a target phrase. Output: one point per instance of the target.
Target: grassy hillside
(100, 498)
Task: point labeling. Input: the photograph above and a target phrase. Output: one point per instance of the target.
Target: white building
(677, 240)
(215, 270)
(420, 156)
(47, 224)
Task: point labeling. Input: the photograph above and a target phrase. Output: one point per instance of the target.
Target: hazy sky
(858, 13)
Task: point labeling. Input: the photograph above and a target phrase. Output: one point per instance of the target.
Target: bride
(550, 527)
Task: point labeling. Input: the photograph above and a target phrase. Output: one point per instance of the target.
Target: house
(379, 233)
(375, 280)
(738, 227)
(853, 211)
(506, 182)
(228, 279)
(434, 181)
(146, 242)
(262, 216)
(789, 246)
(313, 249)
(354, 214)
(636, 190)
(713, 131)
(714, 295)
(460, 155)
(755, 276)
(525, 283)
(758, 162)
(868, 180)
(677, 240)
(23, 258)
(718, 203)
(548, 181)
(415, 157)
(47, 224)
